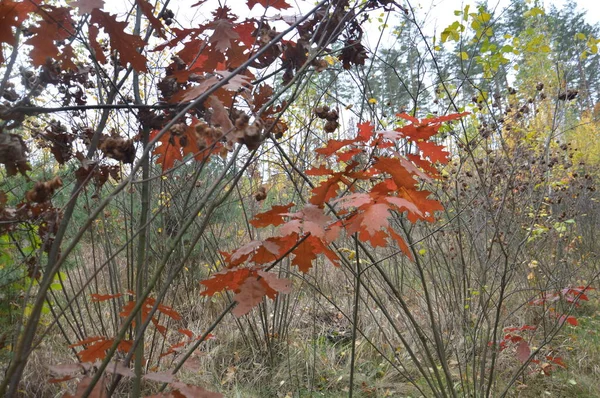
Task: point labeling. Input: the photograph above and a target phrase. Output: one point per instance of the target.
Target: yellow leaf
(372, 101)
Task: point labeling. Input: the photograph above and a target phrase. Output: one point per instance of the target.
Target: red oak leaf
(97, 347)
(230, 279)
(365, 131)
(103, 297)
(353, 200)
(333, 146)
(168, 151)
(393, 166)
(250, 294)
(427, 206)
(223, 34)
(87, 6)
(97, 392)
(401, 243)
(434, 152)
(273, 217)
(309, 220)
(245, 30)
(280, 285)
(93, 35)
(326, 190)
(126, 44)
(148, 11)
(304, 255)
(277, 4)
(12, 14)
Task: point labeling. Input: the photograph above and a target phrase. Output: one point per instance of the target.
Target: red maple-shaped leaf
(425, 128)
(230, 279)
(43, 45)
(365, 131)
(99, 390)
(97, 347)
(371, 219)
(148, 12)
(435, 152)
(333, 146)
(556, 360)
(277, 4)
(53, 27)
(93, 37)
(427, 207)
(320, 247)
(326, 190)
(257, 251)
(223, 34)
(145, 310)
(309, 220)
(401, 243)
(274, 217)
(280, 285)
(183, 390)
(250, 294)
(304, 255)
(401, 176)
(168, 151)
(126, 44)
(245, 30)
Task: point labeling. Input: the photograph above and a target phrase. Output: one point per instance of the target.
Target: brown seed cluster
(206, 134)
(43, 191)
(331, 115)
(261, 194)
(118, 148)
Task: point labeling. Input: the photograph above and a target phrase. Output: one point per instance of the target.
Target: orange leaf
(435, 152)
(333, 146)
(396, 169)
(168, 151)
(365, 131)
(401, 243)
(304, 255)
(228, 279)
(273, 217)
(100, 297)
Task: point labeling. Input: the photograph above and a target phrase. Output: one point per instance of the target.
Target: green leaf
(464, 56)
(534, 12)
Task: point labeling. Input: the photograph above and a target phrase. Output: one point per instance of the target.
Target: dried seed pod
(118, 148)
(261, 194)
(331, 126)
(43, 191)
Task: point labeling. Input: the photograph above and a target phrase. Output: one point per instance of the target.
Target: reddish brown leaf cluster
(145, 310)
(389, 183)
